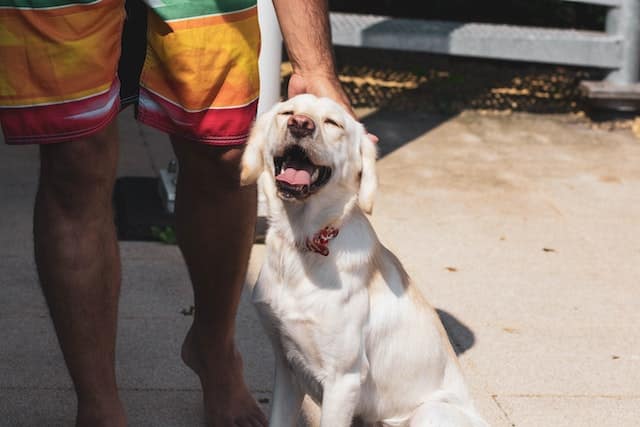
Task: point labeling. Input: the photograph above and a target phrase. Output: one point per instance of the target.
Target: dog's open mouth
(296, 176)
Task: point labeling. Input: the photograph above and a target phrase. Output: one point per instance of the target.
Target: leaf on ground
(635, 127)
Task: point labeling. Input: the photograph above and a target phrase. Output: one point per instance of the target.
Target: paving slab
(29, 407)
(16, 229)
(20, 163)
(148, 408)
(30, 357)
(491, 410)
(572, 411)
(155, 288)
(149, 339)
(149, 349)
(21, 294)
(143, 250)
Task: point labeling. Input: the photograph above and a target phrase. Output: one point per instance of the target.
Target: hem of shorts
(220, 141)
(63, 137)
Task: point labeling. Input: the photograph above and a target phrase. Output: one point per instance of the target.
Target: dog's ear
(368, 178)
(252, 163)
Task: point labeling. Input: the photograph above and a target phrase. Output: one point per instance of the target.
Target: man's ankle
(99, 412)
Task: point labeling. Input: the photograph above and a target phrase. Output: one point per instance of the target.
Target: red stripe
(60, 122)
(228, 126)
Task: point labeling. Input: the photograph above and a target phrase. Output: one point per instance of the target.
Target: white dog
(347, 325)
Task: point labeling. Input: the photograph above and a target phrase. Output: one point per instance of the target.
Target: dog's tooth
(315, 175)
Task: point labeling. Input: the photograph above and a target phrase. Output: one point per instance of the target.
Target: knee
(79, 172)
(208, 167)
(228, 166)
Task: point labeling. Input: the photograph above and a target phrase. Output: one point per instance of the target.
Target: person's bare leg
(215, 222)
(76, 253)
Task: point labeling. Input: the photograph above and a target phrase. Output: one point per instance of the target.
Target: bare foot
(227, 401)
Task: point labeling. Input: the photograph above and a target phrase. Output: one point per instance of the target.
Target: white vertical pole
(623, 21)
(269, 64)
(270, 56)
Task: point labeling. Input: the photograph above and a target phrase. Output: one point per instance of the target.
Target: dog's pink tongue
(293, 176)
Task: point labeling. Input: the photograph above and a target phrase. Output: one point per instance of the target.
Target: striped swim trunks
(68, 66)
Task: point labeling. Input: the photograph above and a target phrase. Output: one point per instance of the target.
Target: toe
(255, 422)
(260, 420)
(255, 418)
(243, 422)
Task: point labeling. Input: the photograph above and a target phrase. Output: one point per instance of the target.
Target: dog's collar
(319, 242)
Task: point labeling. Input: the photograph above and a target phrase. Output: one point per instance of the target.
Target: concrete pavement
(524, 230)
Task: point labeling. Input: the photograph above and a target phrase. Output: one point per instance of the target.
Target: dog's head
(309, 146)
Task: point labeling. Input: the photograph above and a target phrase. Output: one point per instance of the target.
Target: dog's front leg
(339, 400)
(287, 396)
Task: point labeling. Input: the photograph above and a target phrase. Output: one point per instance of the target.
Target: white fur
(349, 329)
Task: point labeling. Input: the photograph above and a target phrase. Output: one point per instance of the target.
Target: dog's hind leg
(443, 414)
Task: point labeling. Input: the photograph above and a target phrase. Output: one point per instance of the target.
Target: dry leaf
(635, 127)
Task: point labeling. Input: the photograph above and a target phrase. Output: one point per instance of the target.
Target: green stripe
(179, 9)
(41, 4)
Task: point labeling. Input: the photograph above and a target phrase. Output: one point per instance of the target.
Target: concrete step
(531, 44)
(610, 3)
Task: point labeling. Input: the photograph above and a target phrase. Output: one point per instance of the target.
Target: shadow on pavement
(414, 92)
(460, 336)
(396, 129)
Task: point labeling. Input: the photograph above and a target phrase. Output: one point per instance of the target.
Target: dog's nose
(300, 125)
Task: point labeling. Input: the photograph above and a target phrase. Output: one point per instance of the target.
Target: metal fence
(616, 48)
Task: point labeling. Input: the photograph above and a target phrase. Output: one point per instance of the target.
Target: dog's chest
(302, 355)
(295, 335)
(306, 323)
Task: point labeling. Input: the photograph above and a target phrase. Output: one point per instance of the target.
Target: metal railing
(616, 48)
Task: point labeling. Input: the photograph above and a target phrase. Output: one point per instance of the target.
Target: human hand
(322, 86)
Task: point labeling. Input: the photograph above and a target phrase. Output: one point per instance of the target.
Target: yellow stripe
(50, 59)
(77, 96)
(204, 66)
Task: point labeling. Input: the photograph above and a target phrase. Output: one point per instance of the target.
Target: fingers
(373, 138)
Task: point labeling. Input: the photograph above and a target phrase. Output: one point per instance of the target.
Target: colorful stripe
(185, 24)
(181, 9)
(221, 127)
(42, 4)
(60, 122)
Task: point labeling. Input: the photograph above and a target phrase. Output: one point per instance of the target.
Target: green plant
(164, 234)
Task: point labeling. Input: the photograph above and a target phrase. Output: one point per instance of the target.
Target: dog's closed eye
(332, 122)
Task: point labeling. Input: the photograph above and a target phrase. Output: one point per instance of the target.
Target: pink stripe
(60, 122)
(225, 126)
